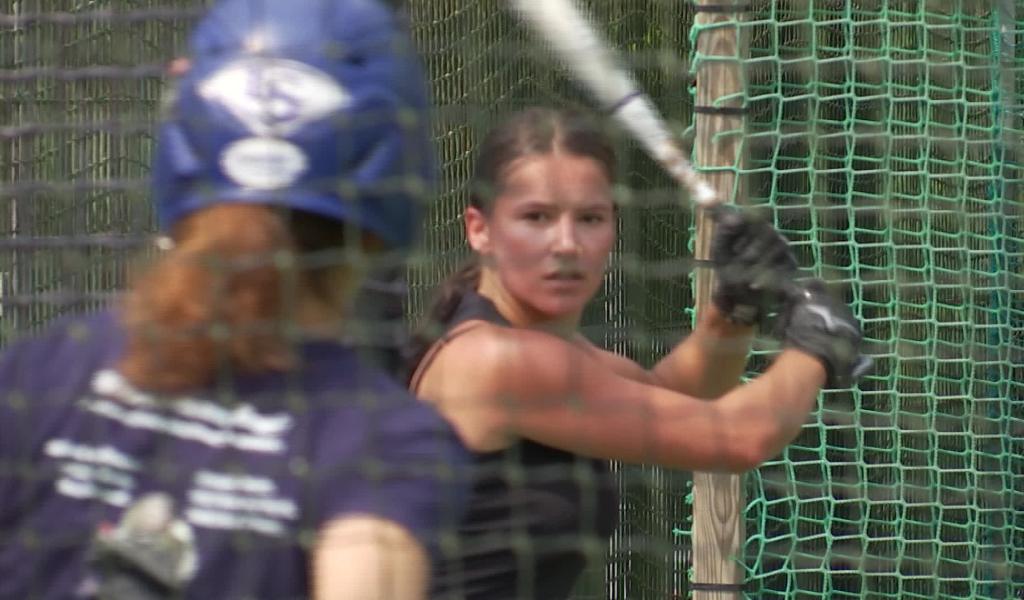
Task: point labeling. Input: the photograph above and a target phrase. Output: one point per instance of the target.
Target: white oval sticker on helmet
(274, 96)
(263, 163)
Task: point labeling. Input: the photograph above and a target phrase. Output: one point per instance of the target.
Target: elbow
(742, 459)
(749, 444)
(754, 453)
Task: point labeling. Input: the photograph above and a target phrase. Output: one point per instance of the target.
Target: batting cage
(884, 138)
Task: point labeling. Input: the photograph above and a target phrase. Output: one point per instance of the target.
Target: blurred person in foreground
(210, 436)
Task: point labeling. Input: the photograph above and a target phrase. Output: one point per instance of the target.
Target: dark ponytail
(440, 312)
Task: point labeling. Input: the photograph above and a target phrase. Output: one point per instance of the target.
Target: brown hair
(533, 131)
(220, 297)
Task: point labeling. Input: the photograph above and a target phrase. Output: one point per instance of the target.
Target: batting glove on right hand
(821, 325)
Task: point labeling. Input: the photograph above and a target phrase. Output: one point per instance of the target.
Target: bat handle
(675, 163)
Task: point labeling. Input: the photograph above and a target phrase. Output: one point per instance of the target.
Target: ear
(179, 66)
(478, 231)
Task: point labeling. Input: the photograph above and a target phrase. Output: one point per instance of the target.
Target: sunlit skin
(545, 243)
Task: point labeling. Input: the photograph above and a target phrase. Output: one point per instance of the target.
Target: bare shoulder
(495, 357)
(464, 381)
(487, 375)
(483, 359)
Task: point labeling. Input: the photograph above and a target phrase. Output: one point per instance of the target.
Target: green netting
(886, 140)
(79, 96)
(884, 137)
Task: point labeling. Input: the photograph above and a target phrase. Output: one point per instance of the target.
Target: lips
(565, 276)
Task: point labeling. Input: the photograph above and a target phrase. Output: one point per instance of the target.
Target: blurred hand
(754, 265)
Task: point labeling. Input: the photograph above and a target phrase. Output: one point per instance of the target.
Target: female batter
(210, 438)
(536, 402)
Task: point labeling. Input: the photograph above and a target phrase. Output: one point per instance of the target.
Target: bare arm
(533, 385)
(710, 361)
(601, 414)
(753, 268)
(368, 558)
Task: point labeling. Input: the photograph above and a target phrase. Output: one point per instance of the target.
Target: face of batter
(547, 238)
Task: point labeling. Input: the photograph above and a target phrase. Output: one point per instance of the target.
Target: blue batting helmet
(312, 105)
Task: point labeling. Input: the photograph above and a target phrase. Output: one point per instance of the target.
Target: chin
(560, 313)
(557, 308)
(550, 303)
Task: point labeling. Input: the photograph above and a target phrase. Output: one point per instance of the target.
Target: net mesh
(883, 137)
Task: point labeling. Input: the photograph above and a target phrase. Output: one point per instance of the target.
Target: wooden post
(718, 527)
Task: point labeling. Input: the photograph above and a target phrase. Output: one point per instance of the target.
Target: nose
(566, 241)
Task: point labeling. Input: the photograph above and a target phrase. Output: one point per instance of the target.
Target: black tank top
(535, 516)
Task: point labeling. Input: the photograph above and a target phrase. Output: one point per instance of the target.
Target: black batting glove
(821, 325)
(754, 265)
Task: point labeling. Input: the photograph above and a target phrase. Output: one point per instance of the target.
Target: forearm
(710, 361)
(368, 558)
(770, 411)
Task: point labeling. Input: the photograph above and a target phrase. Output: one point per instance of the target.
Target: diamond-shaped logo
(273, 96)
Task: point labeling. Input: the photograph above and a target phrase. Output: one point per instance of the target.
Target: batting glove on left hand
(754, 265)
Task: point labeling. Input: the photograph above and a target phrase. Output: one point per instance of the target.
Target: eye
(593, 218)
(535, 216)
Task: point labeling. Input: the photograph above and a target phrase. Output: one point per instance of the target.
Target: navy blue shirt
(535, 514)
(254, 467)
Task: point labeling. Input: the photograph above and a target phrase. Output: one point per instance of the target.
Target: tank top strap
(472, 311)
(428, 358)
(474, 307)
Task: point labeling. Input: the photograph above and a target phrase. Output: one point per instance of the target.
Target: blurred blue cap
(311, 105)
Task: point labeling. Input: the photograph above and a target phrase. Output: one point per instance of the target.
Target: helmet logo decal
(273, 96)
(263, 163)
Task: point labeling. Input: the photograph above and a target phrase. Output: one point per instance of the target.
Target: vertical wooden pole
(718, 528)
(1013, 119)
